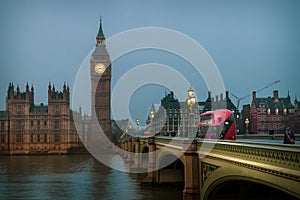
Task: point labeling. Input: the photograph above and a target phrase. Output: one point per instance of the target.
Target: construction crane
(261, 89)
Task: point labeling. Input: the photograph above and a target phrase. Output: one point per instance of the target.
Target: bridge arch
(144, 148)
(171, 169)
(241, 187)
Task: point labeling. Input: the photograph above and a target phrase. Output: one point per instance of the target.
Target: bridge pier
(125, 149)
(152, 159)
(191, 167)
(129, 150)
(136, 159)
(151, 178)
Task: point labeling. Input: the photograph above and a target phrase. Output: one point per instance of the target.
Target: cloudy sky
(253, 43)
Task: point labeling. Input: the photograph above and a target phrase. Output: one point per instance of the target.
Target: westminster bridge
(212, 169)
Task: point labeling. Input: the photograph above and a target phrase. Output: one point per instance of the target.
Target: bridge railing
(280, 159)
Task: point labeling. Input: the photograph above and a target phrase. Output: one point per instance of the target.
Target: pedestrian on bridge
(289, 136)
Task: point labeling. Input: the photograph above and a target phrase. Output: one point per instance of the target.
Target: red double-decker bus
(217, 124)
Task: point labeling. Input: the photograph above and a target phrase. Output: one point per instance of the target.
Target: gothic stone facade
(26, 128)
(273, 114)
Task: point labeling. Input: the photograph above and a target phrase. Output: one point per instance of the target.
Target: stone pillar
(123, 145)
(191, 167)
(125, 149)
(137, 154)
(129, 150)
(152, 160)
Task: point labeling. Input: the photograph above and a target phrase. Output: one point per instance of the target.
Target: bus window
(222, 128)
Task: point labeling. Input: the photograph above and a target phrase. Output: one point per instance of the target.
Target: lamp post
(237, 123)
(191, 100)
(130, 129)
(247, 123)
(137, 122)
(151, 115)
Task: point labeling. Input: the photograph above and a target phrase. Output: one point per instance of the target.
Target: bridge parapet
(281, 160)
(278, 155)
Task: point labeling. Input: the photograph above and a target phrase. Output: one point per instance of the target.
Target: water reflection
(72, 177)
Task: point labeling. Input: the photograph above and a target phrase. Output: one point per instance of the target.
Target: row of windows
(175, 112)
(20, 109)
(277, 111)
(274, 126)
(20, 124)
(267, 119)
(34, 138)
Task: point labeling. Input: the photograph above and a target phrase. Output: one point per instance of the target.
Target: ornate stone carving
(206, 170)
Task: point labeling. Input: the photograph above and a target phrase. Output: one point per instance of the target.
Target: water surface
(72, 177)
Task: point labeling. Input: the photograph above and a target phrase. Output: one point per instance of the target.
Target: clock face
(99, 68)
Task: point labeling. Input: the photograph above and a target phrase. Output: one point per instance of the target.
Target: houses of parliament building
(26, 128)
(29, 128)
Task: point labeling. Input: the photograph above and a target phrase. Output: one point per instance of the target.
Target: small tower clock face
(100, 68)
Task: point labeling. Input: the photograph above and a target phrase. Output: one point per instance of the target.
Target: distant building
(27, 128)
(273, 114)
(297, 116)
(173, 117)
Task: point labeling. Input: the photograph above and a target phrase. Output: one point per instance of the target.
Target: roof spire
(100, 35)
(288, 96)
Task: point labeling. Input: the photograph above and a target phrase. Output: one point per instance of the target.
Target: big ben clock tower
(100, 70)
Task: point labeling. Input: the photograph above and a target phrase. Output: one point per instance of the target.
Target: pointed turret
(18, 92)
(49, 87)
(10, 92)
(27, 88)
(64, 87)
(100, 39)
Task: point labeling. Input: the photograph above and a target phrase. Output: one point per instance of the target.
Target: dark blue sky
(253, 43)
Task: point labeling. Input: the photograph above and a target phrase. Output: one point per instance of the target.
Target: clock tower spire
(100, 39)
(100, 72)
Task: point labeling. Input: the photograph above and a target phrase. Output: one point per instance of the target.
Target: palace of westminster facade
(26, 128)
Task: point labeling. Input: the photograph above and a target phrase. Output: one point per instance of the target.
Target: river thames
(73, 177)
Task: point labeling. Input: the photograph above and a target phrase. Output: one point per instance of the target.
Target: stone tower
(100, 71)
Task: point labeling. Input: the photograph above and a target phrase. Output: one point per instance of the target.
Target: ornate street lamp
(151, 116)
(130, 129)
(137, 122)
(247, 123)
(191, 100)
